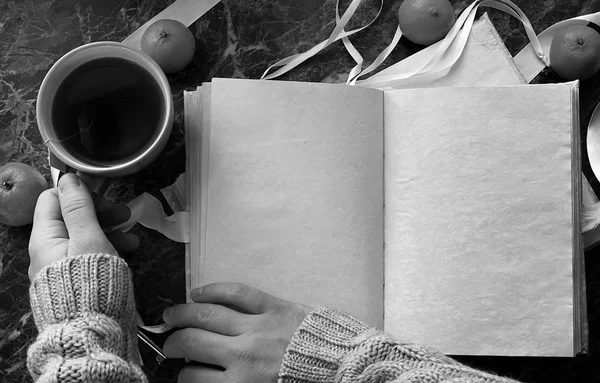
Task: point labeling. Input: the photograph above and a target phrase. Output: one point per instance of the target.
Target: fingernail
(67, 181)
(196, 293)
(167, 315)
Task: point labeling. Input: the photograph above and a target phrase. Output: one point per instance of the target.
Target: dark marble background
(235, 39)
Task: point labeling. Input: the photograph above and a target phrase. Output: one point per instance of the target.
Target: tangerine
(170, 43)
(425, 22)
(575, 53)
(20, 187)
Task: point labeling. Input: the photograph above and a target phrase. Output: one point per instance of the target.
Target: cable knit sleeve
(84, 310)
(330, 346)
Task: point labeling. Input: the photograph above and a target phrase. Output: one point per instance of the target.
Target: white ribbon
(380, 59)
(338, 33)
(525, 59)
(446, 55)
(438, 64)
(349, 47)
(451, 48)
(184, 11)
(147, 211)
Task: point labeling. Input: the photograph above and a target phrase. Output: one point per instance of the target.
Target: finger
(109, 213)
(204, 374)
(47, 216)
(237, 296)
(209, 317)
(77, 207)
(200, 346)
(48, 240)
(124, 242)
(79, 215)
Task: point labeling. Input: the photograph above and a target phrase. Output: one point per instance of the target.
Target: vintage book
(444, 216)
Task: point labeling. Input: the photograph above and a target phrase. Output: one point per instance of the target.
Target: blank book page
(479, 219)
(295, 192)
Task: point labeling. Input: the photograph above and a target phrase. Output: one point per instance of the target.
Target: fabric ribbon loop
(350, 47)
(446, 55)
(338, 33)
(147, 211)
(526, 58)
(451, 48)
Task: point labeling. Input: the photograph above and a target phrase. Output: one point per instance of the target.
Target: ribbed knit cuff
(76, 286)
(317, 348)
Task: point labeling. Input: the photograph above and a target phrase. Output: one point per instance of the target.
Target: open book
(445, 216)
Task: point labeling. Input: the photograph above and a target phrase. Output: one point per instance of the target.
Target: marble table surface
(235, 39)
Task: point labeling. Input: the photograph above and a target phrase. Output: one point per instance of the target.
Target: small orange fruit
(20, 187)
(425, 22)
(575, 53)
(170, 43)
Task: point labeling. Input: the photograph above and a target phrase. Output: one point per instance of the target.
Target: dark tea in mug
(107, 110)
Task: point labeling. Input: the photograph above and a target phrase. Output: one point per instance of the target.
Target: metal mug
(63, 151)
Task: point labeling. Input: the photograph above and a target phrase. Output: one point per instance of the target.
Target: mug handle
(97, 185)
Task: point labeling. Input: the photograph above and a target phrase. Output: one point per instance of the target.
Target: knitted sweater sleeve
(84, 310)
(330, 346)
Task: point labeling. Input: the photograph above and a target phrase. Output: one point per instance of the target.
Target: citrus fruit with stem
(575, 53)
(20, 187)
(170, 43)
(425, 22)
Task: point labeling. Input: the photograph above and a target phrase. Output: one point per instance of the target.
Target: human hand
(68, 221)
(239, 328)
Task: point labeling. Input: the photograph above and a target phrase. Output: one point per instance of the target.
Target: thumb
(79, 215)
